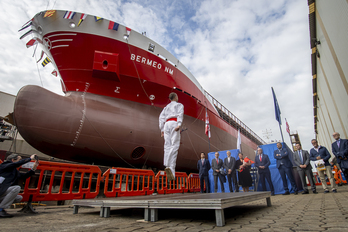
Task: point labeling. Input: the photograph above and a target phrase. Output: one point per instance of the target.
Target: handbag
(320, 165)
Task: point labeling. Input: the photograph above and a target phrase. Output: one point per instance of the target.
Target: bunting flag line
(45, 62)
(42, 54)
(69, 15)
(207, 126)
(31, 43)
(128, 30)
(27, 33)
(49, 13)
(96, 18)
(113, 26)
(83, 17)
(54, 73)
(26, 25)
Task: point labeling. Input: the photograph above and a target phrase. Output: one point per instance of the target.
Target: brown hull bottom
(90, 128)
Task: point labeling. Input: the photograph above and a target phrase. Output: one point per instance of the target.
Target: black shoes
(334, 191)
(295, 193)
(305, 192)
(3, 214)
(326, 191)
(315, 192)
(286, 193)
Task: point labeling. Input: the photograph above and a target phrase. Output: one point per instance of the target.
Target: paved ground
(320, 212)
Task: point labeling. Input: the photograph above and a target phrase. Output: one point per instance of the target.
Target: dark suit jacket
(203, 169)
(306, 161)
(283, 158)
(230, 165)
(323, 153)
(341, 152)
(9, 171)
(216, 166)
(265, 162)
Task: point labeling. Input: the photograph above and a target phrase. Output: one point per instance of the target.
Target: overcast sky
(237, 50)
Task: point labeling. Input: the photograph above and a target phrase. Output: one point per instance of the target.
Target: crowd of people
(232, 168)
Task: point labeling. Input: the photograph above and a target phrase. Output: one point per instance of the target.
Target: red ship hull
(115, 91)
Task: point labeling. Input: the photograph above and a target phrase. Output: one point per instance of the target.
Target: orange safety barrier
(179, 185)
(128, 182)
(55, 181)
(194, 183)
(0, 161)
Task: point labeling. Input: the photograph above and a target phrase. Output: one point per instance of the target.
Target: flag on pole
(277, 109)
(54, 73)
(287, 127)
(128, 30)
(69, 15)
(45, 62)
(207, 126)
(113, 26)
(239, 140)
(49, 13)
(83, 17)
(96, 18)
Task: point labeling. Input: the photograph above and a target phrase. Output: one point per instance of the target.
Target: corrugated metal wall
(330, 61)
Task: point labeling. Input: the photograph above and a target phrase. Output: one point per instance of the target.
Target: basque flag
(276, 107)
(69, 15)
(113, 26)
(207, 125)
(83, 17)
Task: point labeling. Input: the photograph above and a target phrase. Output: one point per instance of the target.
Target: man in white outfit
(170, 121)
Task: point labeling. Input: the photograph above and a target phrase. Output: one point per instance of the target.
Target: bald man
(340, 150)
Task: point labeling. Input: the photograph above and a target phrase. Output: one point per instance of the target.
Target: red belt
(172, 119)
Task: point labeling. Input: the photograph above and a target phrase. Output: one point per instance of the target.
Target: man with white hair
(9, 176)
(170, 121)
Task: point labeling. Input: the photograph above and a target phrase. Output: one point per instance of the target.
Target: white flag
(239, 140)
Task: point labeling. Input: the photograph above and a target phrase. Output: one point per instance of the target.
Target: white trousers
(171, 145)
(329, 175)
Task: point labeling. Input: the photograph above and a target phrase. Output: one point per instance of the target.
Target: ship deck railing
(231, 119)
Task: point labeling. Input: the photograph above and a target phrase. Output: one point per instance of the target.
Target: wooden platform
(151, 203)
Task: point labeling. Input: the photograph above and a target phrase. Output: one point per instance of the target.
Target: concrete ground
(312, 212)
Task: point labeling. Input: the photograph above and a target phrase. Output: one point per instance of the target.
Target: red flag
(287, 127)
(207, 126)
(128, 30)
(246, 159)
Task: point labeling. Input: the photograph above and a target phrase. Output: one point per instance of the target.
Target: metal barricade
(194, 183)
(179, 185)
(128, 182)
(55, 181)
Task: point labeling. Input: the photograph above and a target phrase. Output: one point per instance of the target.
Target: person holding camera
(340, 150)
(9, 176)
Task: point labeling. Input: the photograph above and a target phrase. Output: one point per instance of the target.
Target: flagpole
(292, 147)
(280, 128)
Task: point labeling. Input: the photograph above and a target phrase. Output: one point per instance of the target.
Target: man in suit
(340, 150)
(216, 165)
(303, 165)
(318, 153)
(262, 162)
(284, 166)
(229, 165)
(203, 166)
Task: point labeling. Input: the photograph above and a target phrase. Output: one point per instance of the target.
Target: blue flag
(276, 107)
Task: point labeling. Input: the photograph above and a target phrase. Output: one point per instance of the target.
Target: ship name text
(151, 63)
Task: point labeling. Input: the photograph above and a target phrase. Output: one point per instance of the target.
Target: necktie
(338, 143)
(217, 161)
(202, 162)
(261, 158)
(300, 156)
